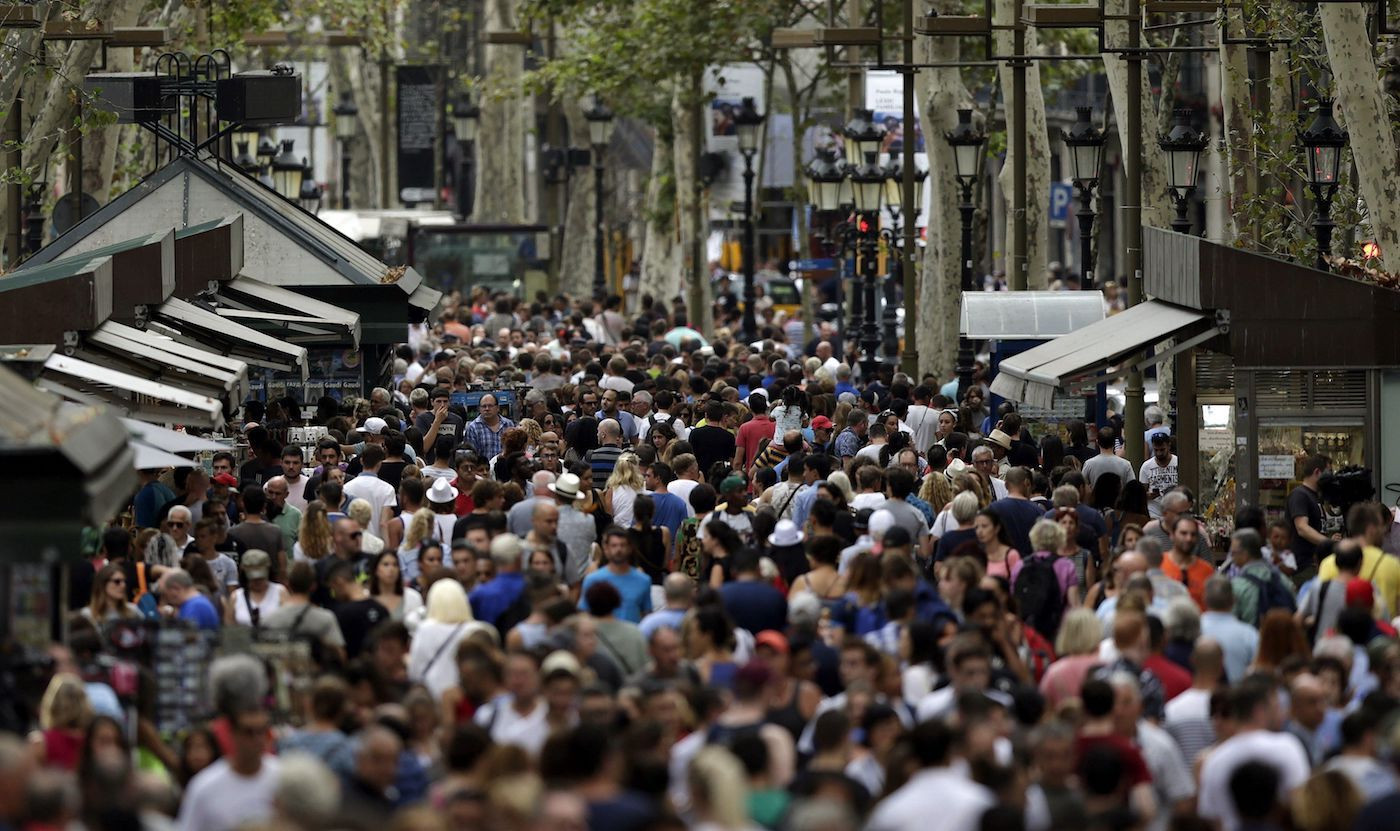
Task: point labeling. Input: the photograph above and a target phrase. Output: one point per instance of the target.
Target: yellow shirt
(1380, 568)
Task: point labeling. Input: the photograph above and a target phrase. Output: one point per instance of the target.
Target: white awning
(193, 325)
(1101, 351)
(296, 317)
(138, 397)
(153, 458)
(126, 348)
(171, 441)
(1028, 315)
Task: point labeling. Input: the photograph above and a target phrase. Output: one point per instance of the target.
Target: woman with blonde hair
(719, 791)
(109, 595)
(432, 659)
(1328, 801)
(362, 512)
(533, 431)
(620, 492)
(64, 713)
(419, 530)
(1077, 644)
(314, 533)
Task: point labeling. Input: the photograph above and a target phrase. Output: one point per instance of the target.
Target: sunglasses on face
(176, 524)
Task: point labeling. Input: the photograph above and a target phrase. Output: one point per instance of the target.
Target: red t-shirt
(1175, 680)
(1195, 578)
(1134, 768)
(751, 433)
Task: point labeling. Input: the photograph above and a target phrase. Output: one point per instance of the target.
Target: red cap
(1360, 593)
(226, 479)
(821, 422)
(772, 639)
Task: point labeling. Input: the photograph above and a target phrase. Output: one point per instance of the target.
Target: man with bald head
(281, 512)
(1310, 719)
(543, 533)
(678, 595)
(369, 795)
(1188, 715)
(603, 458)
(522, 514)
(1128, 565)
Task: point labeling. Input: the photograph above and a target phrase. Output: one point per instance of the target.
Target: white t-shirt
(867, 500)
(923, 423)
(509, 727)
(1281, 750)
(272, 600)
(644, 425)
(218, 799)
(378, 493)
(1159, 478)
(682, 488)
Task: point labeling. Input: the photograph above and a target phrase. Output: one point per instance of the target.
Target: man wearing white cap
(577, 530)
(880, 522)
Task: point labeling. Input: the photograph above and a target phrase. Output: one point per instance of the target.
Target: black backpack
(1273, 594)
(1038, 595)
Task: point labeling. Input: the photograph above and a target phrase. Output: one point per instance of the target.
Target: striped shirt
(771, 455)
(602, 460)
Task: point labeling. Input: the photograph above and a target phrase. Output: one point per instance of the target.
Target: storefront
(1273, 361)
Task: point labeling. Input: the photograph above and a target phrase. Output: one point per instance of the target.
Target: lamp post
(894, 202)
(866, 187)
(1183, 146)
(287, 172)
(245, 159)
(966, 140)
(600, 126)
(34, 218)
(346, 120)
(1085, 143)
(748, 124)
(466, 121)
(309, 196)
(267, 150)
(826, 184)
(1323, 141)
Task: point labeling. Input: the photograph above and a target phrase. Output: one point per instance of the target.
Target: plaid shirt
(848, 443)
(483, 440)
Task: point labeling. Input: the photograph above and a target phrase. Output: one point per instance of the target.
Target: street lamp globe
(245, 159)
(346, 116)
(466, 118)
(600, 123)
(867, 186)
(1183, 146)
(894, 185)
(966, 141)
(287, 172)
(310, 193)
(826, 180)
(863, 136)
(1324, 140)
(267, 148)
(748, 124)
(1085, 143)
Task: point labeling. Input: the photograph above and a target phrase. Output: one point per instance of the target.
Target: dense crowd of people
(576, 569)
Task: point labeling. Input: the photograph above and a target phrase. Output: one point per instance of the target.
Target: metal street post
(1133, 410)
(600, 124)
(966, 141)
(1018, 278)
(911, 205)
(1085, 142)
(748, 124)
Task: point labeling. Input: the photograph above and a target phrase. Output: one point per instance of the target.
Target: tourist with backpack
(1258, 586)
(1047, 584)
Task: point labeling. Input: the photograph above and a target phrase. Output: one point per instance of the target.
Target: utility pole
(1018, 279)
(910, 358)
(14, 192)
(1132, 226)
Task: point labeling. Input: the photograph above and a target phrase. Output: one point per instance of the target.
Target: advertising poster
(884, 95)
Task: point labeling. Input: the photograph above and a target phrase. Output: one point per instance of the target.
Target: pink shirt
(751, 433)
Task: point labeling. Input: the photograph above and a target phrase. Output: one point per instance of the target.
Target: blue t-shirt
(494, 598)
(671, 511)
(200, 611)
(634, 586)
(148, 503)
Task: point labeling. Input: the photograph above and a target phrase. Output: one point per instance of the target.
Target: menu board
(418, 112)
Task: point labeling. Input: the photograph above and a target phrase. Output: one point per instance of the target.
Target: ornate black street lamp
(967, 141)
(347, 117)
(310, 194)
(287, 172)
(600, 126)
(867, 189)
(894, 239)
(748, 124)
(1183, 146)
(1085, 143)
(1323, 142)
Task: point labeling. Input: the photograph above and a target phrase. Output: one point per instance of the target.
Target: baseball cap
(862, 518)
(225, 479)
(375, 425)
(257, 564)
(1161, 437)
(897, 537)
(772, 639)
(561, 661)
(821, 422)
(732, 482)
